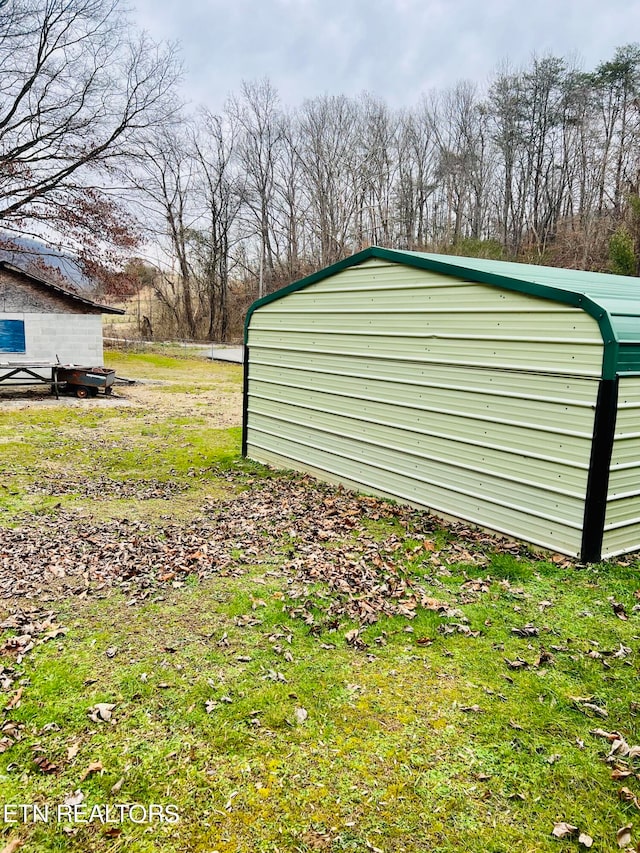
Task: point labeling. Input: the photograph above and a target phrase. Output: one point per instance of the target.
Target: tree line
(542, 165)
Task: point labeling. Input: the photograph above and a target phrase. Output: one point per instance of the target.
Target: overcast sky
(395, 49)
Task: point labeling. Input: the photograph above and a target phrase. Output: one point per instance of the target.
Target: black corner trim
(245, 401)
(595, 506)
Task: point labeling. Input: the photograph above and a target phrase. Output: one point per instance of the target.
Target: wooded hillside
(100, 160)
(543, 166)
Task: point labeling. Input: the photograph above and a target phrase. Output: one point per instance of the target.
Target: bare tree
(617, 84)
(220, 191)
(506, 98)
(415, 184)
(332, 159)
(79, 94)
(378, 167)
(167, 179)
(545, 165)
(291, 201)
(259, 120)
(459, 127)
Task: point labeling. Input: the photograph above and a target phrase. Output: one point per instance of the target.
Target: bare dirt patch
(219, 408)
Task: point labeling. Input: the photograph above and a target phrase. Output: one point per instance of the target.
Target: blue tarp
(12, 336)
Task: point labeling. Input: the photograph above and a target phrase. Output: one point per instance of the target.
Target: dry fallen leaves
(94, 767)
(117, 785)
(73, 750)
(623, 835)
(12, 846)
(517, 663)
(627, 795)
(568, 830)
(113, 832)
(605, 734)
(619, 609)
(101, 712)
(585, 704)
(74, 799)
(14, 702)
(618, 774)
(45, 765)
(564, 830)
(301, 715)
(315, 840)
(29, 627)
(528, 630)
(72, 556)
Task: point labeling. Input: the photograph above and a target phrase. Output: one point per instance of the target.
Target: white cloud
(395, 49)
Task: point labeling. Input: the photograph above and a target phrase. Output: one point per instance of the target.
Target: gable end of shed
(471, 400)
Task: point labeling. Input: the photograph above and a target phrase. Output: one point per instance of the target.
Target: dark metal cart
(69, 378)
(84, 381)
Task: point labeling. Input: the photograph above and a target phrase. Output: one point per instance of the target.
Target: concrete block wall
(56, 328)
(70, 338)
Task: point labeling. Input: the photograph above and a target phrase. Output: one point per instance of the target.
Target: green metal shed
(507, 395)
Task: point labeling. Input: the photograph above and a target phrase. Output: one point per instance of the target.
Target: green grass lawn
(286, 666)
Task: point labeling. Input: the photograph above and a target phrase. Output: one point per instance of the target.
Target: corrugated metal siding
(628, 357)
(464, 398)
(367, 309)
(622, 520)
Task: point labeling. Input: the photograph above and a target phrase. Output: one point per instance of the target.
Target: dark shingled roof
(58, 289)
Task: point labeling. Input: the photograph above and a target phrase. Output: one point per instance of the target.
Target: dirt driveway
(220, 407)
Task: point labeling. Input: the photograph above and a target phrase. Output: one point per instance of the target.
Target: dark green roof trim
(344, 264)
(509, 276)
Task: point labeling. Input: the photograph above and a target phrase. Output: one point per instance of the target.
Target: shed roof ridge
(590, 291)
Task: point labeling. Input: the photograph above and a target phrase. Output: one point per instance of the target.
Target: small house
(44, 323)
(503, 394)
